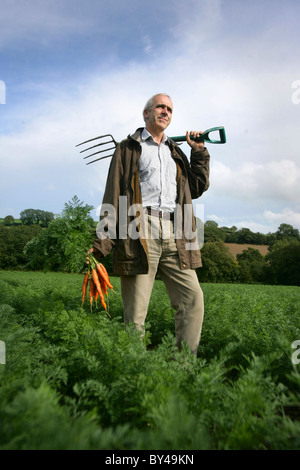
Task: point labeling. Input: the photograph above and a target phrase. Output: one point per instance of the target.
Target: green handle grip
(205, 136)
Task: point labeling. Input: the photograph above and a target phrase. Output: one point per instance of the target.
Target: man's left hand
(195, 145)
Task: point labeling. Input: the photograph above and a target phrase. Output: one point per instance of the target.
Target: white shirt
(157, 173)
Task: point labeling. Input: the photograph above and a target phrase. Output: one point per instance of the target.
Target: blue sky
(73, 70)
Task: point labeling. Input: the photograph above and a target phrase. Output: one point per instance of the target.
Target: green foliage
(74, 379)
(284, 262)
(218, 264)
(280, 266)
(64, 244)
(8, 220)
(252, 265)
(36, 216)
(213, 232)
(287, 232)
(12, 242)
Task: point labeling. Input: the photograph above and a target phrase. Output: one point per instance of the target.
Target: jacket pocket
(126, 250)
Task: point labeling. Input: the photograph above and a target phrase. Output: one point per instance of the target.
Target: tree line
(212, 232)
(280, 266)
(60, 244)
(30, 217)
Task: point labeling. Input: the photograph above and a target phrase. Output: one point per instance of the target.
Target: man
(155, 179)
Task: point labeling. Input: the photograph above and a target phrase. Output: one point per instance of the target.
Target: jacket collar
(136, 135)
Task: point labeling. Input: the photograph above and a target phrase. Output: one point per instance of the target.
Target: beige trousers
(183, 287)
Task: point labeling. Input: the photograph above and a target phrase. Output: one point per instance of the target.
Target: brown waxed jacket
(130, 254)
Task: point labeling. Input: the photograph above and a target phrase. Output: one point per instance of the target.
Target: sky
(71, 70)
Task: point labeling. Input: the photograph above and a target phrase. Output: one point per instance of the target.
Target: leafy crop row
(75, 379)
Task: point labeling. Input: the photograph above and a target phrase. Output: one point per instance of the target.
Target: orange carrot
(95, 293)
(103, 285)
(91, 292)
(98, 287)
(102, 271)
(84, 286)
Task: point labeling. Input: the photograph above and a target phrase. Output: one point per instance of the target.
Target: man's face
(159, 116)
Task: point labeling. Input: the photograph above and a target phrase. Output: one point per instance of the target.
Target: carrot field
(73, 378)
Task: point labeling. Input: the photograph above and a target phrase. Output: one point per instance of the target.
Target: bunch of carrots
(97, 279)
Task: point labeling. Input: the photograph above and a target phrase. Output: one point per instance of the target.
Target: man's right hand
(91, 250)
(194, 145)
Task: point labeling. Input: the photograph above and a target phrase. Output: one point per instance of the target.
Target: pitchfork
(108, 139)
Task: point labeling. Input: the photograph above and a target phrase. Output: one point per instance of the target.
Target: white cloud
(286, 216)
(256, 226)
(272, 180)
(216, 218)
(148, 45)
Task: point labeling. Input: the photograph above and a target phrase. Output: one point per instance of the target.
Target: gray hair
(149, 103)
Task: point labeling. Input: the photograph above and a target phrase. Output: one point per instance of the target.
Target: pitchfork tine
(101, 158)
(100, 151)
(97, 145)
(95, 138)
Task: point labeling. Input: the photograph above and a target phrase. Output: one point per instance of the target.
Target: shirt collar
(146, 135)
